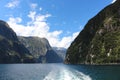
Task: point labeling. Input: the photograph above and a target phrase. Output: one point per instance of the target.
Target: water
(58, 72)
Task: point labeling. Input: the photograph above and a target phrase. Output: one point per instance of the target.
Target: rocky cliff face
(11, 50)
(40, 49)
(99, 41)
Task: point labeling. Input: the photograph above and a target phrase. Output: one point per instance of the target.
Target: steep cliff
(99, 41)
(40, 49)
(11, 50)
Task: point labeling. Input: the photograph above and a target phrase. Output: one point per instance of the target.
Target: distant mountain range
(20, 49)
(99, 41)
(60, 51)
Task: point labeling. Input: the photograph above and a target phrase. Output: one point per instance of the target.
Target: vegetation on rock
(99, 41)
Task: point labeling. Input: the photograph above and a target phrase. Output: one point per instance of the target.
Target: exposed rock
(41, 49)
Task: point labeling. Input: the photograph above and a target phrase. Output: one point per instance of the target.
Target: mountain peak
(6, 31)
(40, 49)
(11, 50)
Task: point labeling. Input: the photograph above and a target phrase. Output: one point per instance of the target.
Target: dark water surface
(58, 72)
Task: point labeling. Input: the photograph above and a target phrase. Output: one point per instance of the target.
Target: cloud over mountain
(38, 26)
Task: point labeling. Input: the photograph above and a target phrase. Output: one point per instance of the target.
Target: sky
(60, 21)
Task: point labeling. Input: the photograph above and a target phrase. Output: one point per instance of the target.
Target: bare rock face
(99, 41)
(41, 49)
(11, 50)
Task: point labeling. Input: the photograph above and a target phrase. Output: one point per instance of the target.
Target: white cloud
(40, 8)
(38, 26)
(32, 15)
(33, 5)
(16, 20)
(68, 32)
(65, 42)
(113, 1)
(12, 4)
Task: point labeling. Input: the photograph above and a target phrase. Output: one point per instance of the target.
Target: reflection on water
(58, 72)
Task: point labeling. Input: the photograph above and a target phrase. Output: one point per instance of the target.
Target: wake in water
(66, 74)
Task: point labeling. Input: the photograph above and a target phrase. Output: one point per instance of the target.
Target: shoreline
(105, 64)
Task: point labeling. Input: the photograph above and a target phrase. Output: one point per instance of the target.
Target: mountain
(99, 41)
(11, 50)
(60, 51)
(40, 49)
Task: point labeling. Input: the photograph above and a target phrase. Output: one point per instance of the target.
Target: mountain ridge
(98, 42)
(40, 49)
(11, 50)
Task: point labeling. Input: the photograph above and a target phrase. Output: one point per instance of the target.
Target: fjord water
(58, 72)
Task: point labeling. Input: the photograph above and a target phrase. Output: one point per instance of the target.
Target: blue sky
(60, 21)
